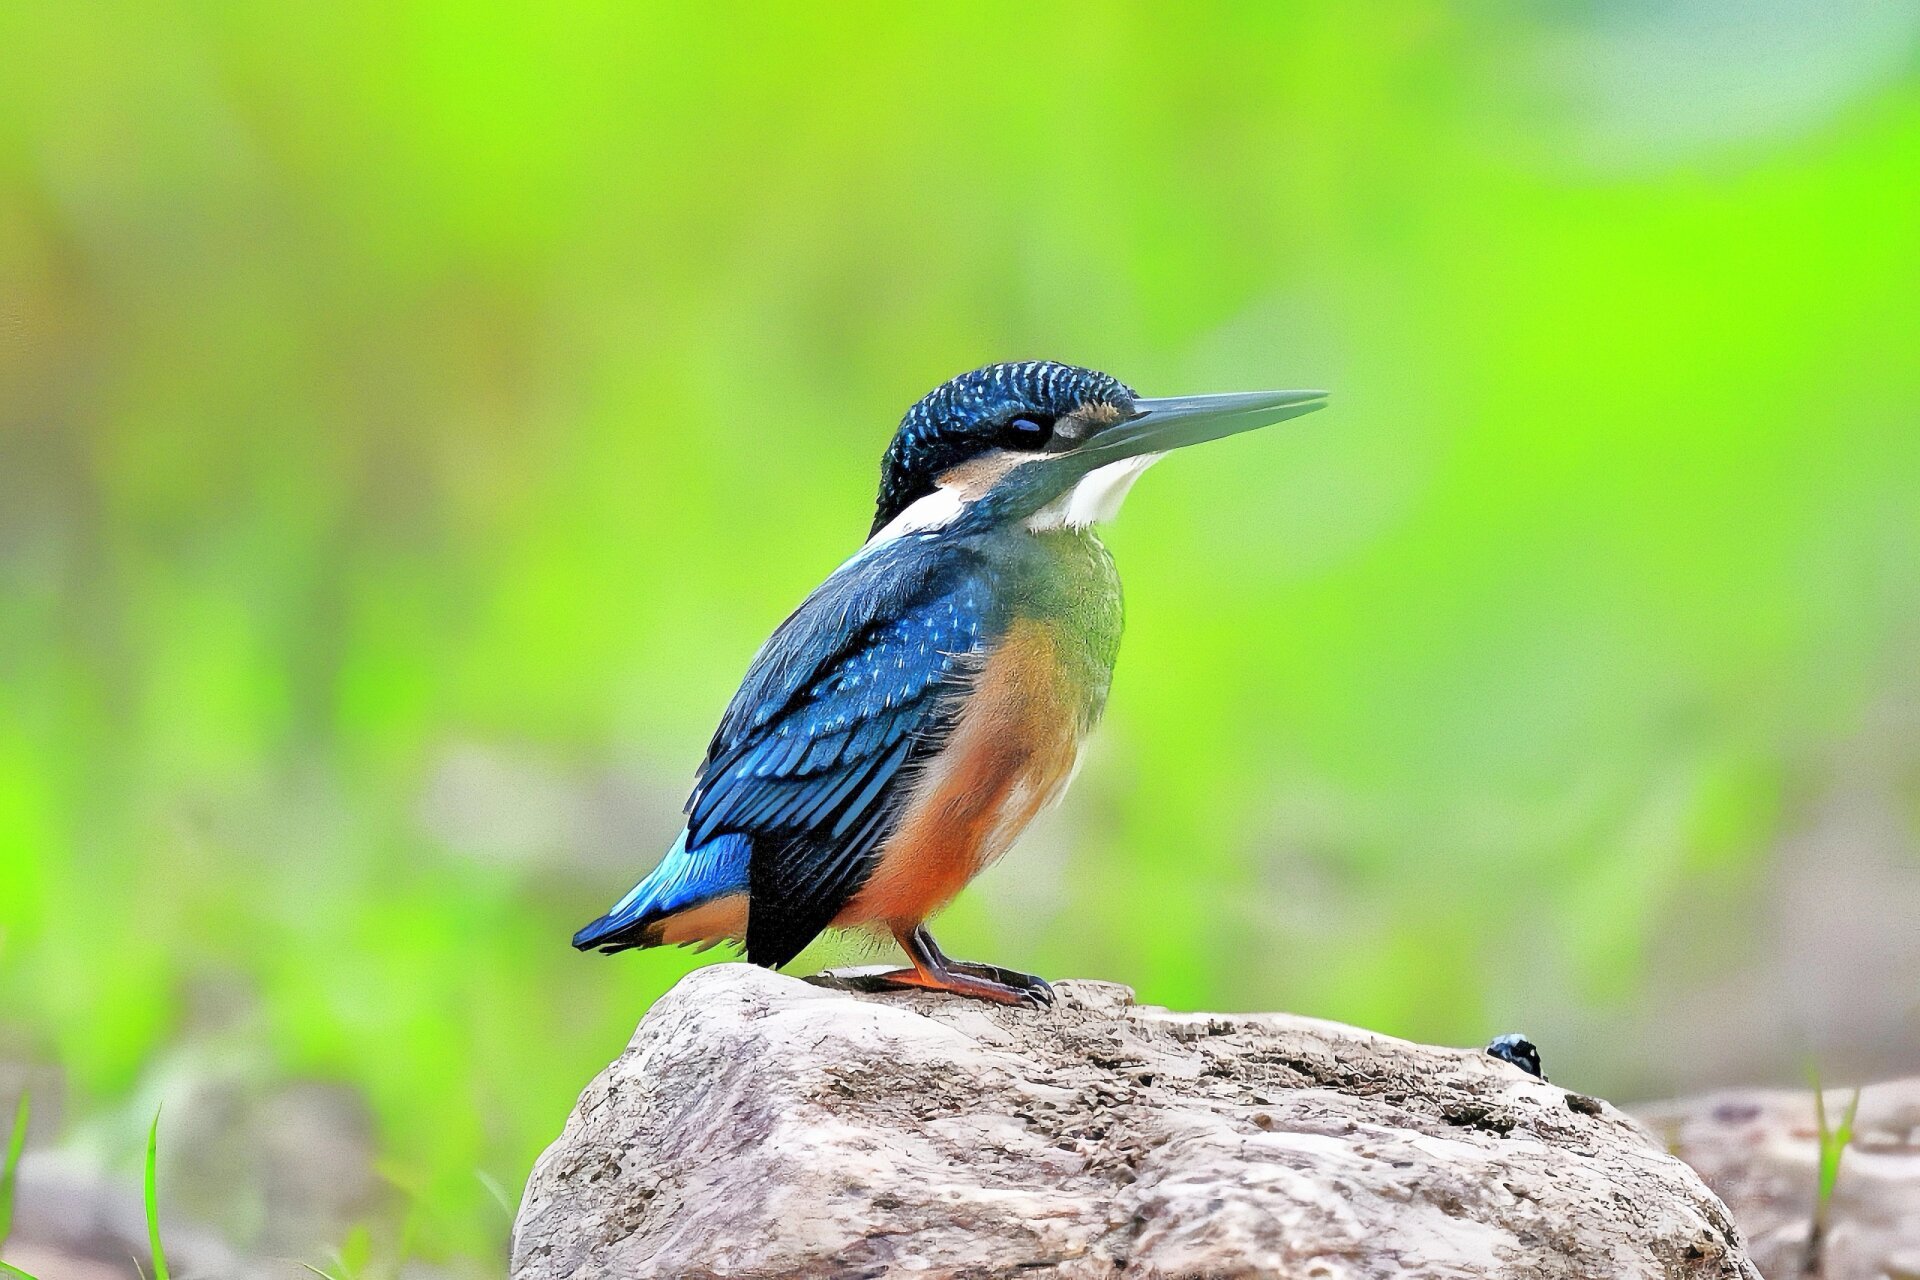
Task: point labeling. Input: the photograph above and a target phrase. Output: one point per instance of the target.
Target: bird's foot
(975, 981)
(933, 971)
(1037, 987)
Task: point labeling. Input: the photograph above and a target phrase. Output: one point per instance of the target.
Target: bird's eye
(1028, 431)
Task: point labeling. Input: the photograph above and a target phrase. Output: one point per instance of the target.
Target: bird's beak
(1177, 421)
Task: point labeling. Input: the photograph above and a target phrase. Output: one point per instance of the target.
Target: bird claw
(975, 981)
(1037, 990)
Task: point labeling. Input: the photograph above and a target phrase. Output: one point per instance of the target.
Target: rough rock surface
(1759, 1148)
(759, 1125)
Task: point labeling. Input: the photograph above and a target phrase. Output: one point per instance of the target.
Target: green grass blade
(494, 1189)
(153, 1202)
(1834, 1145)
(8, 1269)
(10, 1167)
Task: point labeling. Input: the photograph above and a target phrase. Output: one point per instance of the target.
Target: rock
(73, 1220)
(254, 1171)
(1759, 1150)
(763, 1126)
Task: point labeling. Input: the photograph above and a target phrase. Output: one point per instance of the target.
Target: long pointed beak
(1177, 421)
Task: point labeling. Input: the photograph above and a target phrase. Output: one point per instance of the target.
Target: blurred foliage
(413, 416)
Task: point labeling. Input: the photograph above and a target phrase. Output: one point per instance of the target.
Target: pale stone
(760, 1125)
(1760, 1150)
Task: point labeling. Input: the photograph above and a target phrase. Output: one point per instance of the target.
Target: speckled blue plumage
(853, 689)
(876, 662)
(813, 760)
(949, 423)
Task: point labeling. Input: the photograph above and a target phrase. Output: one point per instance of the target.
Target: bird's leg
(932, 971)
(919, 942)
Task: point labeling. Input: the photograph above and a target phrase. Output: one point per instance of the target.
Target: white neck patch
(936, 510)
(1096, 498)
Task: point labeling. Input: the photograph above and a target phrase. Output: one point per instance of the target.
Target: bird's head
(1047, 443)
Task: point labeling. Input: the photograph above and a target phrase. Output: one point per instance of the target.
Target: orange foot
(933, 971)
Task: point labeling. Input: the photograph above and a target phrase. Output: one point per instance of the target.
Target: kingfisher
(897, 733)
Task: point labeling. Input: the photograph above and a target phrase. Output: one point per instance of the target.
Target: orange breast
(1009, 757)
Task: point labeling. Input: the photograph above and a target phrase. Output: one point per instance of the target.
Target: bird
(902, 727)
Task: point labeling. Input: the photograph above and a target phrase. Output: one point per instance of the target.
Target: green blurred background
(412, 417)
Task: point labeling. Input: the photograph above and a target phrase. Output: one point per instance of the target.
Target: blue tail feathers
(685, 878)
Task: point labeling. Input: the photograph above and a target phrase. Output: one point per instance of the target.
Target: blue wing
(853, 689)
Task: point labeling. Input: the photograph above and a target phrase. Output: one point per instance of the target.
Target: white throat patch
(1096, 498)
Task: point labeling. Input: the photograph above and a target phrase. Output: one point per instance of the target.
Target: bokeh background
(413, 416)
